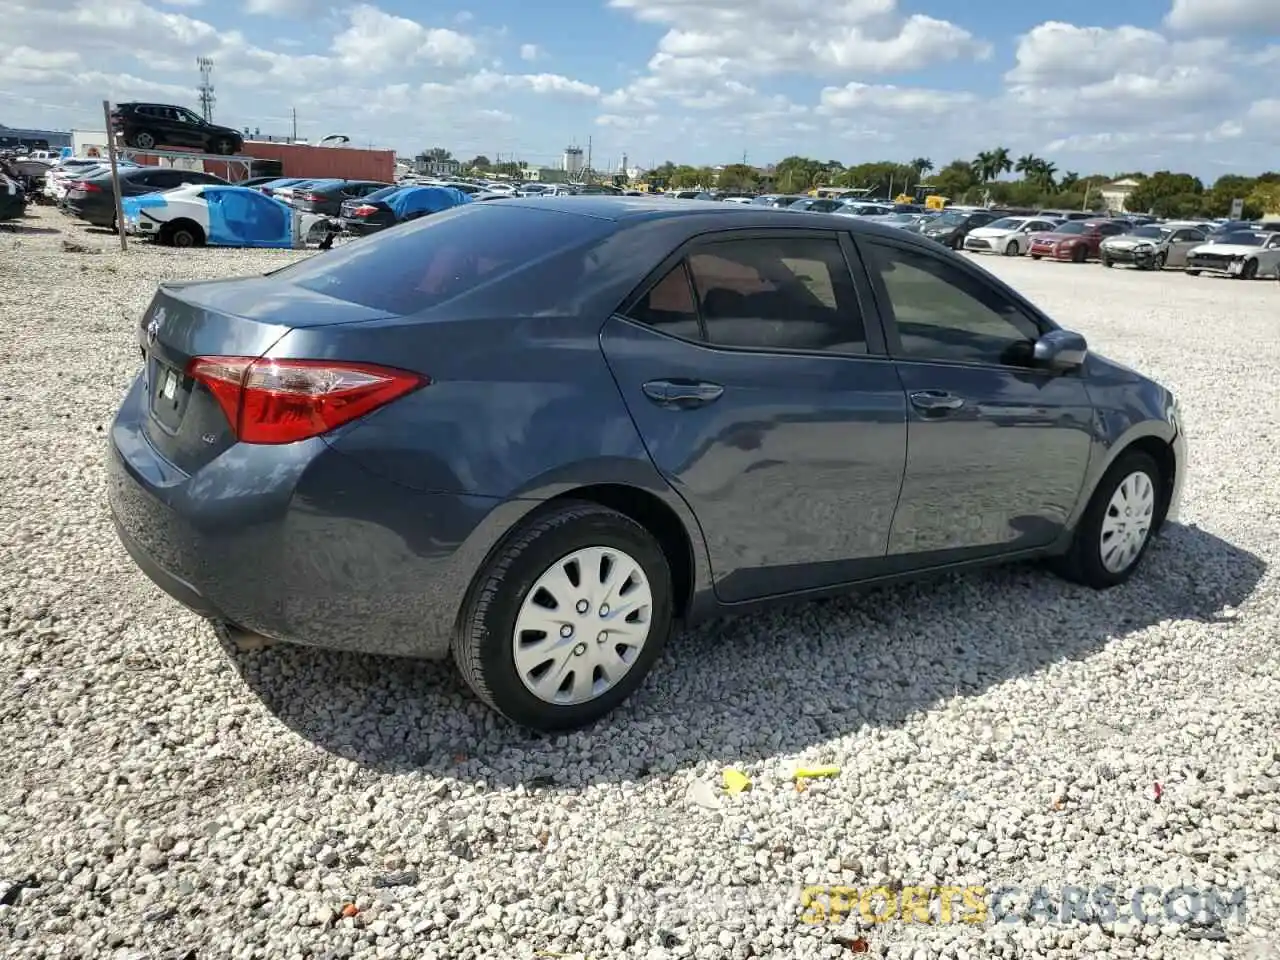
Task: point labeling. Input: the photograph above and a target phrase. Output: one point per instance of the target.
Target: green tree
(438, 153)
(1069, 181)
(1227, 188)
(955, 180)
(795, 174)
(1157, 192)
(736, 177)
(480, 163)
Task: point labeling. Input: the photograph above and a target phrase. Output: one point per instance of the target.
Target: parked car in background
(1075, 240)
(1152, 247)
(220, 216)
(151, 126)
(392, 205)
(94, 200)
(256, 181)
(1008, 235)
(278, 183)
(285, 192)
(861, 208)
(1066, 214)
(13, 198)
(953, 226)
(786, 200)
(327, 196)
(1244, 254)
(60, 178)
(383, 427)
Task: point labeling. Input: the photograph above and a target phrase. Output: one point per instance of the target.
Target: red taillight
(364, 210)
(283, 401)
(84, 186)
(310, 197)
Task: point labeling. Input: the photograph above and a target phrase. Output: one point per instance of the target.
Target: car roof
(715, 214)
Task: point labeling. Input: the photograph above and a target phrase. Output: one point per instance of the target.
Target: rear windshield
(1071, 226)
(384, 192)
(419, 265)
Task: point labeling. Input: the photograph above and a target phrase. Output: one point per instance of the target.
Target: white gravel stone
(163, 795)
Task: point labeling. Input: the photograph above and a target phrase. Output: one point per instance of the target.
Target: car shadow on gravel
(23, 230)
(753, 687)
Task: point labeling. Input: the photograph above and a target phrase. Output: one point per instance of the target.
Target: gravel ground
(171, 796)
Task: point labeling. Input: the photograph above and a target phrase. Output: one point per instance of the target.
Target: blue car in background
(535, 435)
(397, 204)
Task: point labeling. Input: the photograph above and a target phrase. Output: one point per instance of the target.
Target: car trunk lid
(225, 318)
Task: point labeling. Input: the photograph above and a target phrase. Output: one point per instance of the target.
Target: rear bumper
(360, 228)
(300, 543)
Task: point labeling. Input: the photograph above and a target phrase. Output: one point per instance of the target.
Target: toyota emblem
(153, 327)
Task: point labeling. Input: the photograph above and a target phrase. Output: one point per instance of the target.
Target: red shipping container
(300, 160)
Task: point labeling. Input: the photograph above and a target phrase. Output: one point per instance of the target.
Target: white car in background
(1242, 254)
(200, 213)
(1009, 235)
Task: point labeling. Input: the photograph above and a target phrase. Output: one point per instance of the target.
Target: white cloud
(890, 100)
(377, 41)
(529, 51)
(1225, 16)
(279, 8)
(716, 53)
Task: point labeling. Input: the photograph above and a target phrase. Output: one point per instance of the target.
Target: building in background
(1114, 194)
(11, 138)
(573, 163)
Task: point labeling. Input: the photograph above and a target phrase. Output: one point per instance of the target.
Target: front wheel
(1107, 262)
(567, 618)
(1079, 255)
(1116, 528)
(1160, 260)
(1250, 270)
(224, 147)
(144, 140)
(1011, 248)
(1036, 256)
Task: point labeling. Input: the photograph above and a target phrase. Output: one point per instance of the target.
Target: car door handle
(682, 393)
(936, 401)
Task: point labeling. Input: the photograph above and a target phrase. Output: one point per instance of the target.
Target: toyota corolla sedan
(536, 435)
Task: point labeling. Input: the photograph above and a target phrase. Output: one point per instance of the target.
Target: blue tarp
(242, 217)
(238, 216)
(418, 200)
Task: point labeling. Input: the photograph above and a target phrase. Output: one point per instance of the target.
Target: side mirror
(1060, 350)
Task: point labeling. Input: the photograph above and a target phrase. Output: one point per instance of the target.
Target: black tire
(1160, 260)
(1011, 248)
(1036, 256)
(1192, 273)
(1079, 255)
(1083, 562)
(224, 146)
(1107, 263)
(143, 140)
(483, 645)
(182, 233)
(1250, 270)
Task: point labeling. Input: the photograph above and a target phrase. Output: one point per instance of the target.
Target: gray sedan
(1152, 247)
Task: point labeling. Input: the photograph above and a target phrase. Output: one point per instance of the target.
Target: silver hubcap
(582, 625)
(1128, 521)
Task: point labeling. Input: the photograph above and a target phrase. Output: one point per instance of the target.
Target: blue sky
(1105, 87)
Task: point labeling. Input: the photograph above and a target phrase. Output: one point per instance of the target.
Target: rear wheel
(567, 618)
(1116, 528)
(143, 140)
(1107, 262)
(1035, 256)
(1192, 273)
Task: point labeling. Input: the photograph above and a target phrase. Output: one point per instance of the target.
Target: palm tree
(1001, 162)
(983, 166)
(1047, 173)
(1028, 165)
(921, 166)
(1069, 180)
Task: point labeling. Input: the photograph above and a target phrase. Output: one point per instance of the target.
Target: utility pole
(589, 170)
(295, 123)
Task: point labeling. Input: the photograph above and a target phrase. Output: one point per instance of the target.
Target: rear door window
(420, 265)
